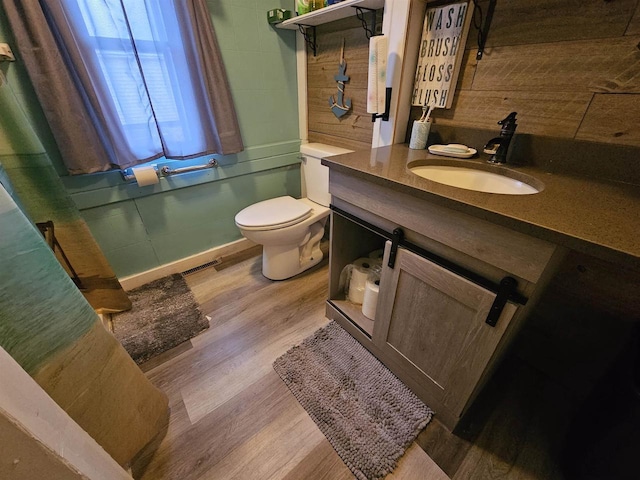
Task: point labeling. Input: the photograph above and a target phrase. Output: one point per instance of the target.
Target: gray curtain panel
(126, 82)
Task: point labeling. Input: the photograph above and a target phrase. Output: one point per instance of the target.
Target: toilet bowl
(290, 229)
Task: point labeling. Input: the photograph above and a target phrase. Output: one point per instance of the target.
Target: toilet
(290, 230)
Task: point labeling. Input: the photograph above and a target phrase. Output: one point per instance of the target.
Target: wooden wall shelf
(331, 13)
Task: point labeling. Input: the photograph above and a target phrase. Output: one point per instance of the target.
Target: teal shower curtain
(54, 334)
(27, 173)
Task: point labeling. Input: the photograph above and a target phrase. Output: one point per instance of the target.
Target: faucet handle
(509, 123)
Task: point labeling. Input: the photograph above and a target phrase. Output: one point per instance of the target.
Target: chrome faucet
(499, 146)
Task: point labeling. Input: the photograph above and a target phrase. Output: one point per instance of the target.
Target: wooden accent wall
(570, 70)
(355, 129)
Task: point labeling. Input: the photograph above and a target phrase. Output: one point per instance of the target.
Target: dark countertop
(599, 218)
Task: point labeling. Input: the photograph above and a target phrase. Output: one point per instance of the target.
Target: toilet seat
(273, 214)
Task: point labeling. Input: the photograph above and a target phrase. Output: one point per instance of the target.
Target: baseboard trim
(187, 263)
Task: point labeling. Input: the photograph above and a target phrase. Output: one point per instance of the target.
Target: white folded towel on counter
(377, 78)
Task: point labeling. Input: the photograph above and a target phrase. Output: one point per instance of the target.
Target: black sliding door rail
(498, 289)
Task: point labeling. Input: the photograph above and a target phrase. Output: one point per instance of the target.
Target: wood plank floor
(233, 418)
(231, 415)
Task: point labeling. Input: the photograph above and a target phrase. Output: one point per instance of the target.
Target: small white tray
(447, 151)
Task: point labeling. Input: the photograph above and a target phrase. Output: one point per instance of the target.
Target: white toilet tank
(316, 175)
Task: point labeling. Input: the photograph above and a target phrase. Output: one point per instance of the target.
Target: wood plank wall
(570, 70)
(355, 129)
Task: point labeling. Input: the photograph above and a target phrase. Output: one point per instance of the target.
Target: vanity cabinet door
(431, 324)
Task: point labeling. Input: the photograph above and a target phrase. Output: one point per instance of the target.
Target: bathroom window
(144, 80)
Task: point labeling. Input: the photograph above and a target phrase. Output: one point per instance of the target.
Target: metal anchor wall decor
(342, 105)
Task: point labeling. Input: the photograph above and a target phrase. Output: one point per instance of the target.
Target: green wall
(142, 228)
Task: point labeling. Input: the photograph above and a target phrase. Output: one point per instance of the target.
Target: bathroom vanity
(461, 268)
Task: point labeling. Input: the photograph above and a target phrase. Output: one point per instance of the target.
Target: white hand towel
(377, 78)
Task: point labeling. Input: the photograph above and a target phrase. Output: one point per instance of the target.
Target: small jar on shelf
(306, 6)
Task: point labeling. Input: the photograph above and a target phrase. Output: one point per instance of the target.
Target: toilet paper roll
(419, 135)
(359, 272)
(145, 176)
(370, 300)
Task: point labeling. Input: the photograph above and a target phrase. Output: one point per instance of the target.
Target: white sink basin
(474, 179)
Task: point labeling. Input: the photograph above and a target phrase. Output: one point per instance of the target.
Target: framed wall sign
(444, 35)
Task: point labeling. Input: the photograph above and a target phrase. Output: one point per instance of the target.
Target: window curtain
(123, 82)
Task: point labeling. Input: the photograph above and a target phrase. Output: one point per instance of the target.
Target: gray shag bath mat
(367, 414)
(164, 315)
